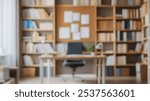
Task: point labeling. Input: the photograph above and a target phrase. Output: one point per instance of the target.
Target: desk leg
(48, 70)
(99, 72)
(41, 70)
(103, 71)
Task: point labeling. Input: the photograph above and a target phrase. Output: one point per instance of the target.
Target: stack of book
(37, 2)
(35, 13)
(106, 37)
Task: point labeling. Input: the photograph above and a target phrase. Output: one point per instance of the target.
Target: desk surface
(62, 57)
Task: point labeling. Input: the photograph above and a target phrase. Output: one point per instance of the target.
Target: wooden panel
(91, 10)
(144, 73)
(28, 72)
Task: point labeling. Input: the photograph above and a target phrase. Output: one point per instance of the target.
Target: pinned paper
(85, 32)
(68, 17)
(76, 36)
(85, 19)
(74, 28)
(64, 33)
(76, 16)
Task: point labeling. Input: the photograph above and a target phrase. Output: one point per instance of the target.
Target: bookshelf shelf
(40, 6)
(39, 41)
(105, 6)
(130, 30)
(135, 53)
(70, 5)
(39, 30)
(137, 6)
(128, 65)
(119, 19)
(30, 66)
(47, 19)
(127, 42)
(104, 18)
(101, 30)
(106, 42)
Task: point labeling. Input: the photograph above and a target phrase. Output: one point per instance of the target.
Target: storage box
(28, 72)
(4, 74)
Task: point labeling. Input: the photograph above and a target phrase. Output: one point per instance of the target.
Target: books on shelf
(129, 36)
(61, 48)
(35, 13)
(85, 2)
(129, 2)
(110, 60)
(121, 48)
(121, 60)
(38, 2)
(129, 25)
(45, 25)
(28, 60)
(29, 24)
(38, 48)
(129, 13)
(106, 37)
(138, 47)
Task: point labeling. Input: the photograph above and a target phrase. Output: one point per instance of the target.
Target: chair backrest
(75, 48)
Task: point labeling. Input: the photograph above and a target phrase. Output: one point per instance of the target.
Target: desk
(49, 58)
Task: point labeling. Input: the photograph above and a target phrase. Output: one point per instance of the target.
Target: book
(25, 24)
(27, 60)
(110, 60)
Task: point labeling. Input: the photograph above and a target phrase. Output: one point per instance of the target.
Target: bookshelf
(37, 29)
(145, 30)
(117, 24)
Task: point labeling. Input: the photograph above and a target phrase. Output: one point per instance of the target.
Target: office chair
(74, 49)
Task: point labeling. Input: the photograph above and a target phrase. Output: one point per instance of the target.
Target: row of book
(38, 48)
(128, 24)
(129, 36)
(38, 2)
(121, 60)
(106, 2)
(29, 24)
(124, 48)
(105, 25)
(92, 2)
(37, 37)
(128, 13)
(106, 37)
(36, 13)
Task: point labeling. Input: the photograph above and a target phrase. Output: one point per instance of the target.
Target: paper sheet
(64, 33)
(85, 32)
(76, 36)
(76, 16)
(68, 17)
(74, 28)
(85, 19)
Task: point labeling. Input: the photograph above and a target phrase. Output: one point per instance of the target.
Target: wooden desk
(49, 58)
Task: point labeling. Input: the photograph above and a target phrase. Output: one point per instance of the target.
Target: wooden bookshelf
(145, 41)
(46, 15)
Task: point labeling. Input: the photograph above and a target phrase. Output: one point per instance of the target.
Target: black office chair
(74, 49)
